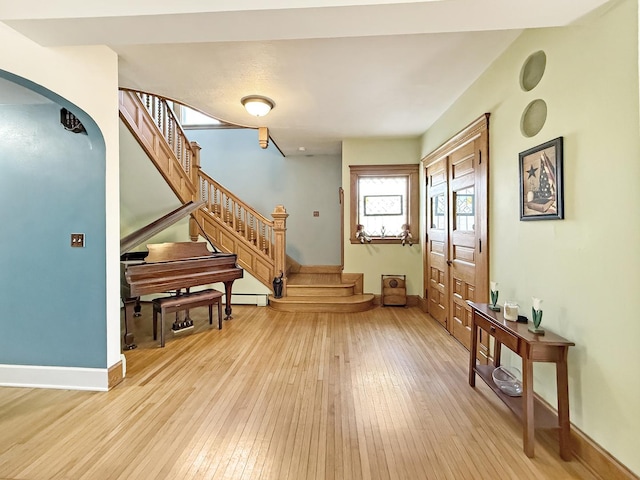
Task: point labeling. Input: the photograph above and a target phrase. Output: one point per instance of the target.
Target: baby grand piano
(170, 267)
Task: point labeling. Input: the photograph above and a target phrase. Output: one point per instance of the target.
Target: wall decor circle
(533, 118)
(533, 70)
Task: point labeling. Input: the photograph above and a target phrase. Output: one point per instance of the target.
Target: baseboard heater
(258, 299)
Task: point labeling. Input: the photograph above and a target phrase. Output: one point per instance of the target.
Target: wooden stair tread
(365, 297)
(345, 304)
(322, 292)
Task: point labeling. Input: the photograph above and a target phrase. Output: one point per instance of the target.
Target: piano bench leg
(162, 315)
(158, 311)
(155, 324)
(219, 305)
(164, 306)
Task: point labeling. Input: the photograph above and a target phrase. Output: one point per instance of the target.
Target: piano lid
(145, 233)
(167, 252)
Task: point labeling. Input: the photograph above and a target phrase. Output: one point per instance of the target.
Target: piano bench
(173, 304)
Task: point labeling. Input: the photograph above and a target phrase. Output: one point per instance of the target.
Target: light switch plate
(77, 239)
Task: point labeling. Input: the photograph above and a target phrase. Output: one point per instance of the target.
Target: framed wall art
(541, 195)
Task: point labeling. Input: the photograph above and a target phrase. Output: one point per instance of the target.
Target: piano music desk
(166, 305)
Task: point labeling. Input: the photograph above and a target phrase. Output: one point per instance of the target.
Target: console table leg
(497, 353)
(528, 431)
(474, 354)
(563, 406)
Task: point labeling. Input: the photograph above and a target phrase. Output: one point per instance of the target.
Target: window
(193, 119)
(383, 199)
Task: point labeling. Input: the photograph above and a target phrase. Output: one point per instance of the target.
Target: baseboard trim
(412, 301)
(116, 374)
(423, 304)
(595, 458)
(65, 378)
(260, 300)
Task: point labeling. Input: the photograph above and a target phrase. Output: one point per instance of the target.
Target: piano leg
(227, 291)
(129, 308)
(137, 309)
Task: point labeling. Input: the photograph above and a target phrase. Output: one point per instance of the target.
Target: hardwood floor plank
(376, 395)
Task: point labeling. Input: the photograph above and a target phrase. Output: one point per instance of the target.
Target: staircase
(320, 291)
(232, 225)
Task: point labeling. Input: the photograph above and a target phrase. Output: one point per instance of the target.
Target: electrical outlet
(316, 213)
(77, 239)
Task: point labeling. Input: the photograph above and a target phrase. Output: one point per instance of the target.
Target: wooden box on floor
(394, 290)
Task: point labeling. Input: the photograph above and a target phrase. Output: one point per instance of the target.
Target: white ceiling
(335, 68)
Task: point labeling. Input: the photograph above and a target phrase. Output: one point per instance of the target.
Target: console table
(531, 348)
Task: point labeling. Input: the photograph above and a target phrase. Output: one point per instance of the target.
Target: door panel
(462, 247)
(456, 266)
(437, 245)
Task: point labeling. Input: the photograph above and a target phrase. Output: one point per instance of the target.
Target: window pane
(438, 211)
(382, 205)
(193, 117)
(465, 209)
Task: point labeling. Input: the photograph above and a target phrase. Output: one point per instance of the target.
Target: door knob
(449, 262)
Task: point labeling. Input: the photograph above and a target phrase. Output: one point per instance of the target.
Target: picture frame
(541, 181)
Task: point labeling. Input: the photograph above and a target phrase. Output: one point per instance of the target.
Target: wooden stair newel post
(194, 230)
(280, 254)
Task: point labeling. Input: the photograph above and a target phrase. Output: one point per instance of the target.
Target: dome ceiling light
(257, 105)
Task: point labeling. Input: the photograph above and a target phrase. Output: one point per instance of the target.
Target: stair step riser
(315, 304)
(322, 307)
(319, 291)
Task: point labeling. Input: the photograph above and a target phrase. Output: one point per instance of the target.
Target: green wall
(372, 259)
(586, 267)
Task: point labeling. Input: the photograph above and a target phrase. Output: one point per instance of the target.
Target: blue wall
(264, 179)
(52, 184)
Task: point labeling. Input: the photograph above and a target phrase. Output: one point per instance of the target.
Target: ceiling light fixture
(257, 105)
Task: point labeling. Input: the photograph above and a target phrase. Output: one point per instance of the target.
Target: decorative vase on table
(494, 297)
(536, 316)
(277, 286)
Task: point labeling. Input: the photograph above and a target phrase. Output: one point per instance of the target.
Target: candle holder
(494, 297)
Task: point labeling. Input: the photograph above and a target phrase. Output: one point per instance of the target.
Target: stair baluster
(258, 241)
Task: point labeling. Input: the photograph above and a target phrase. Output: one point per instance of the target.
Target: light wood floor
(381, 394)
